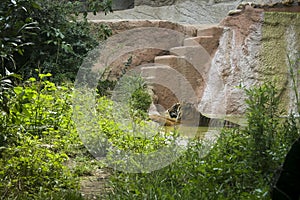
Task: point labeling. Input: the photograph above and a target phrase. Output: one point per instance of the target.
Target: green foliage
(46, 33)
(38, 107)
(30, 168)
(96, 6)
(140, 100)
(132, 89)
(17, 28)
(224, 174)
(118, 135)
(105, 87)
(36, 137)
(241, 165)
(139, 103)
(6, 85)
(263, 124)
(63, 194)
(101, 32)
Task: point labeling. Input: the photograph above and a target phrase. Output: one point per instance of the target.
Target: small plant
(263, 117)
(131, 91)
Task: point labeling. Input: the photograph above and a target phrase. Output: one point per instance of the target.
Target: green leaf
(18, 90)
(42, 76)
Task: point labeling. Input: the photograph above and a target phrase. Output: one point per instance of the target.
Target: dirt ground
(95, 186)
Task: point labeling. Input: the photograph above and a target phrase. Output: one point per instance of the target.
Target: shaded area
(288, 184)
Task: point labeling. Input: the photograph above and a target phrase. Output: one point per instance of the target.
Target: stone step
(190, 52)
(215, 31)
(196, 57)
(167, 84)
(168, 60)
(207, 38)
(150, 72)
(209, 43)
(195, 41)
(189, 69)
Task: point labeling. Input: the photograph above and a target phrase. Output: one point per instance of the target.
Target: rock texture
(177, 71)
(154, 3)
(182, 11)
(252, 49)
(185, 11)
(187, 57)
(118, 26)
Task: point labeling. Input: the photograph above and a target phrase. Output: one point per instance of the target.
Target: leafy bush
(30, 168)
(37, 135)
(131, 91)
(37, 108)
(46, 33)
(241, 164)
(110, 127)
(264, 126)
(17, 29)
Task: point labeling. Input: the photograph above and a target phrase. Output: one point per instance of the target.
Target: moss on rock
(273, 59)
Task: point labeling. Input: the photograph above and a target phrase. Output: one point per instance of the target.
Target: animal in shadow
(187, 114)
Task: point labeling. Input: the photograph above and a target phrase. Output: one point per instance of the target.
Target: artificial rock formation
(247, 47)
(253, 49)
(178, 63)
(154, 3)
(177, 11)
(120, 25)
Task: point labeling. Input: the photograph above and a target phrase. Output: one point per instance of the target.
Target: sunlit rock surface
(190, 12)
(254, 47)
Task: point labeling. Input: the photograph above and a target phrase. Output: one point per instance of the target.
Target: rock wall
(154, 3)
(189, 56)
(181, 11)
(253, 49)
(118, 26)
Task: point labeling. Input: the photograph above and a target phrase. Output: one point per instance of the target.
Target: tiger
(173, 111)
(187, 114)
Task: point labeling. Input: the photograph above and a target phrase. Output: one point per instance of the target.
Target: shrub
(38, 107)
(263, 124)
(17, 29)
(31, 168)
(240, 165)
(37, 134)
(46, 33)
